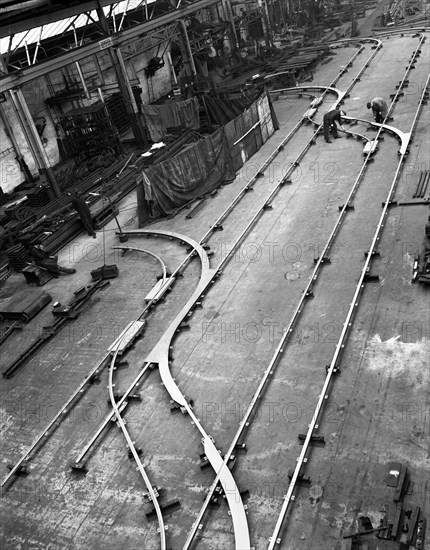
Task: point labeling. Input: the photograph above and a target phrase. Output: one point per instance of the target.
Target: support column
(33, 139)
(265, 22)
(19, 156)
(188, 45)
(128, 96)
(31, 134)
(228, 14)
(124, 86)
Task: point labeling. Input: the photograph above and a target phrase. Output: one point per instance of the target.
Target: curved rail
(302, 459)
(234, 202)
(160, 355)
(140, 467)
(144, 251)
(404, 137)
(62, 413)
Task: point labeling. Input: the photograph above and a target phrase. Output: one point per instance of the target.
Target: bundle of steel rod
(422, 185)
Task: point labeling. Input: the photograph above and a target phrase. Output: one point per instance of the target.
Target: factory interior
(174, 381)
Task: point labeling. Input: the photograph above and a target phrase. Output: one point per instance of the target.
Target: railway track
(86, 384)
(159, 355)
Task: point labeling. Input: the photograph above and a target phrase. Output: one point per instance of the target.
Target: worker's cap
(369, 104)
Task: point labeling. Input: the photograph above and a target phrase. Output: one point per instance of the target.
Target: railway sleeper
(79, 468)
(232, 462)
(369, 278)
(167, 508)
(157, 492)
(21, 471)
(168, 274)
(175, 408)
(347, 207)
(214, 502)
(241, 447)
(123, 364)
(94, 379)
(244, 495)
(302, 479)
(138, 451)
(183, 326)
(336, 369)
(65, 312)
(204, 462)
(119, 396)
(315, 441)
(374, 254)
(219, 491)
(324, 260)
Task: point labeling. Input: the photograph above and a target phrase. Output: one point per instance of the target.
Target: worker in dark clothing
(81, 207)
(50, 263)
(379, 108)
(329, 121)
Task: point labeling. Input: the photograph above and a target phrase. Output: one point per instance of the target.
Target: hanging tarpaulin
(191, 173)
(208, 163)
(264, 114)
(247, 132)
(159, 119)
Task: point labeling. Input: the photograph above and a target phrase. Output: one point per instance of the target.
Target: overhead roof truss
(125, 36)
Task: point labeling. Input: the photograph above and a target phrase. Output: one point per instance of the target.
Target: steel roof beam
(29, 73)
(51, 16)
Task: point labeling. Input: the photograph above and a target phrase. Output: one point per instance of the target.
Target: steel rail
(79, 459)
(410, 30)
(223, 215)
(270, 370)
(39, 441)
(160, 355)
(42, 437)
(157, 357)
(144, 251)
(123, 402)
(241, 193)
(302, 459)
(64, 410)
(130, 443)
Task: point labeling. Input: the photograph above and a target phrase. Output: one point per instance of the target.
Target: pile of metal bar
(62, 315)
(57, 223)
(422, 185)
(300, 60)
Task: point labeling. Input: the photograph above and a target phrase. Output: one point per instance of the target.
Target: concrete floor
(378, 410)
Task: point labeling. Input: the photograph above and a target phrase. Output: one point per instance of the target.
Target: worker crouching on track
(329, 121)
(379, 108)
(50, 263)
